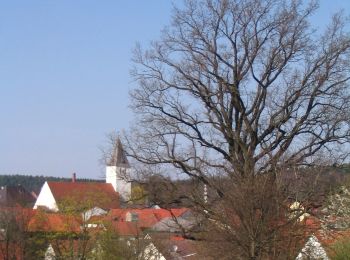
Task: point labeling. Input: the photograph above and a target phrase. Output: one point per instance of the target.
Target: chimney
(74, 177)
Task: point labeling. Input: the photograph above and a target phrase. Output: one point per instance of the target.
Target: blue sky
(64, 78)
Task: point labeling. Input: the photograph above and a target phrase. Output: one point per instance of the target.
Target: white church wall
(117, 176)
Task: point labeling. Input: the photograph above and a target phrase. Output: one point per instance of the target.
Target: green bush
(341, 250)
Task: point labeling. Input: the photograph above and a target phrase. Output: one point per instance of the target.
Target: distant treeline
(34, 183)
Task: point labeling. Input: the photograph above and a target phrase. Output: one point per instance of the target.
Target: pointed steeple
(118, 156)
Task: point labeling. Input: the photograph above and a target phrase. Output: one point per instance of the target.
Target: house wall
(46, 199)
(118, 177)
(96, 211)
(152, 253)
(50, 253)
(312, 250)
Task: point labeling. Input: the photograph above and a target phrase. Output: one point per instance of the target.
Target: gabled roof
(312, 250)
(172, 225)
(118, 157)
(319, 241)
(53, 222)
(171, 247)
(126, 228)
(63, 249)
(97, 194)
(16, 195)
(146, 217)
(180, 249)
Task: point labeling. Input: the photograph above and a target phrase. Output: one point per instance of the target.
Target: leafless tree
(236, 92)
(15, 242)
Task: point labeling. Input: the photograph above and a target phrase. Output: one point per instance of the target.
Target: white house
(163, 248)
(50, 253)
(312, 250)
(151, 253)
(117, 184)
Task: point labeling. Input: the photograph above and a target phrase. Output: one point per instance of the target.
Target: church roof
(118, 156)
(99, 194)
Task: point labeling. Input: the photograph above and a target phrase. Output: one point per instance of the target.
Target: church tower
(118, 172)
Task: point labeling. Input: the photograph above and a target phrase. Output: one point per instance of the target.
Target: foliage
(33, 183)
(341, 250)
(337, 210)
(79, 202)
(138, 195)
(16, 241)
(339, 203)
(79, 243)
(110, 246)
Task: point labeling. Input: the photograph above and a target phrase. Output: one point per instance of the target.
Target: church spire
(118, 156)
(118, 171)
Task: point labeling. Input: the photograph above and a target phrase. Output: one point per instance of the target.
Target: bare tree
(236, 92)
(15, 241)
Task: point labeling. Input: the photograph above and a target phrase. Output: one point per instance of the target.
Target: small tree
(341, 250)
(110, 245)
(76, 239)
(15, 240)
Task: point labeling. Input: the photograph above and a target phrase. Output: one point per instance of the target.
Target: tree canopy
(236, 92)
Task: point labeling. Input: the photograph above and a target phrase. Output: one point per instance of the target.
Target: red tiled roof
(146, 217)
(53, 222)
(126, 228)
(312, 224)
(177, 238)
(102, 194)
(329, 238)
(164, 213)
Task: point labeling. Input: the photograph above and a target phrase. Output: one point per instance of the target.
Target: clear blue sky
(64, 78)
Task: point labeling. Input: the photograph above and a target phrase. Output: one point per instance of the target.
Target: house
(80, 195)
(173, 248)
(319, 242)
(132, 222)
(96, 211)
(312, 250)
(16, 196)
(126, 229)
(63, 249)
(145, 218)
(103, 195)
(50, 253)
(172, 225)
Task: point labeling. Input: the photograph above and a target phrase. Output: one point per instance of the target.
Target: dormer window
(132, 217)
